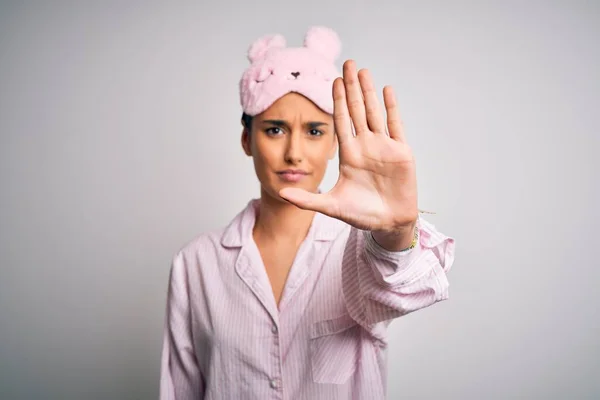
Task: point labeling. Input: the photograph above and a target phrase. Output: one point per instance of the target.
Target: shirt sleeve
(180, 377)
(380, 285)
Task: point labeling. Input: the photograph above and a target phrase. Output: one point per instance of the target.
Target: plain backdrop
(120, 142)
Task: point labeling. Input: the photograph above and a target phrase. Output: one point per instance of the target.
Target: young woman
(293, 298)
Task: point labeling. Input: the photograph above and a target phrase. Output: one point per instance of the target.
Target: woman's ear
(246, 142)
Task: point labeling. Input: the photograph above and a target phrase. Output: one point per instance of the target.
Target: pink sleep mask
(276, 70)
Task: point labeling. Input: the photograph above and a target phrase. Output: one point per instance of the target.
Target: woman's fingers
(320, 202)
(372, 108)
(341, 118)
(395, 126)
(356, 104)
(354, 99)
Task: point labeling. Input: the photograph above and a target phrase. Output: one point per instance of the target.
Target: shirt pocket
(334, 347)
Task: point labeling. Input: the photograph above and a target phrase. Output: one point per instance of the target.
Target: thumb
(306, 200)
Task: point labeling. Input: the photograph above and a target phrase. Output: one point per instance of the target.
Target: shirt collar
(239, 230)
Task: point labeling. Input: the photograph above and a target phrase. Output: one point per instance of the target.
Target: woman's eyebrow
(283, 124)
(277, 122)
(315, 124)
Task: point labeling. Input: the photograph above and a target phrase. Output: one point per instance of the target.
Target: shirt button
(274, 329)
(273, 383)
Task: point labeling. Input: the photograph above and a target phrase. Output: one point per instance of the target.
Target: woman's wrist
(398, 241)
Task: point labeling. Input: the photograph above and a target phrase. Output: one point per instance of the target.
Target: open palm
(377, 185)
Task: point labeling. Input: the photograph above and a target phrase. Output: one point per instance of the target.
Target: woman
(293, 298)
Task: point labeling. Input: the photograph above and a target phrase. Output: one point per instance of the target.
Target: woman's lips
(292, 176)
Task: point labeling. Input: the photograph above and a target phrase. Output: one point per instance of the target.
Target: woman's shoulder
(203, 242)
(215, 240)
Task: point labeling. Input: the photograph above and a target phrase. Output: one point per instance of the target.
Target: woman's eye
(315, 132)
(274, 131)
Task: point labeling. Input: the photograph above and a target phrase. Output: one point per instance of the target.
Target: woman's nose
(293, 153)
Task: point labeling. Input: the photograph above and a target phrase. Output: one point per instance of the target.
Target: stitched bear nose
(295, 74)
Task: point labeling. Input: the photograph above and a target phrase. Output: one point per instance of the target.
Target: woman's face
(291, 143)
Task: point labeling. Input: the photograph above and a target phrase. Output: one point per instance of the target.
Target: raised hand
(377, 185)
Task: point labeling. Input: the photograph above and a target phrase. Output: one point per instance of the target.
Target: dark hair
(247, 121)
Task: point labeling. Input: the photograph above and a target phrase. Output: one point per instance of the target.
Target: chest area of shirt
(274, 285)
(277, 260)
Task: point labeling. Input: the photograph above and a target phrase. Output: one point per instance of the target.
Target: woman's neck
(280, 221)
